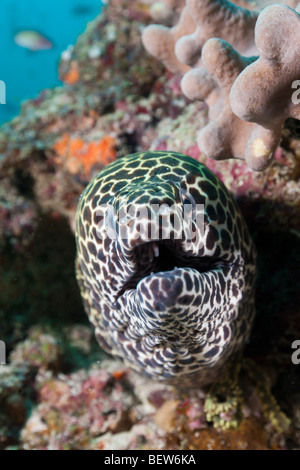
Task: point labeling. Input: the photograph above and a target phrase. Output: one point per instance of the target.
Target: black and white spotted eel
(166, 267)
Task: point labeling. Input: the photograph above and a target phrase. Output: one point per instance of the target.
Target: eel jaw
(162, 258)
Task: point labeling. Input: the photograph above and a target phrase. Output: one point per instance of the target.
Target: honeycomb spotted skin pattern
(175, 308)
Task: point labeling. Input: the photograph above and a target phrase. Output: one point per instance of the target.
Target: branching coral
(160, 41)
(263, 92)
(226, 136)
(167, 11)
(199, 21)
(215, 18)
(180, 47)
(248, 99)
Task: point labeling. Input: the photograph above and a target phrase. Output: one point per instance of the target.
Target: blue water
(25, 73)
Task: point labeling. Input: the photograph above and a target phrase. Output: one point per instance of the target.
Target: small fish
(33, 41)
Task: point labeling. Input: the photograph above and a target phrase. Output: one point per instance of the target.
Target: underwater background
(24, 72)
(58, 389)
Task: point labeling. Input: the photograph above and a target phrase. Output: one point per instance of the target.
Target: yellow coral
(223, 402)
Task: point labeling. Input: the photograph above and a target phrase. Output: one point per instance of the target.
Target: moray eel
(166, 267)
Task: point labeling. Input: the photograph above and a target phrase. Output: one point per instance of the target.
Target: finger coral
(226, 136)
(160, 41)
(248, 99)
(215, 18)
(179, 47)
(167, 11)
(264, 93)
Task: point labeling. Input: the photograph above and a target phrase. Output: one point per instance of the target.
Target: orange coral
(73, 75)
(119, 374)
(76, 154)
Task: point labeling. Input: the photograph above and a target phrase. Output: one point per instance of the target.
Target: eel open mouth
(165, 256)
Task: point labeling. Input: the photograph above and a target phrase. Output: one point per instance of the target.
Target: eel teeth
(150, 251)
(156, 250)
(153, 251)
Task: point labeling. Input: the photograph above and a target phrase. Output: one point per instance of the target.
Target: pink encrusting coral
(248, 98)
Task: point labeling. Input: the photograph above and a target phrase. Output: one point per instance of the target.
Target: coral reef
(75, 409)
(142, 108)
(111, 408)
(18, 213)
(38, 350)
(16, 395)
